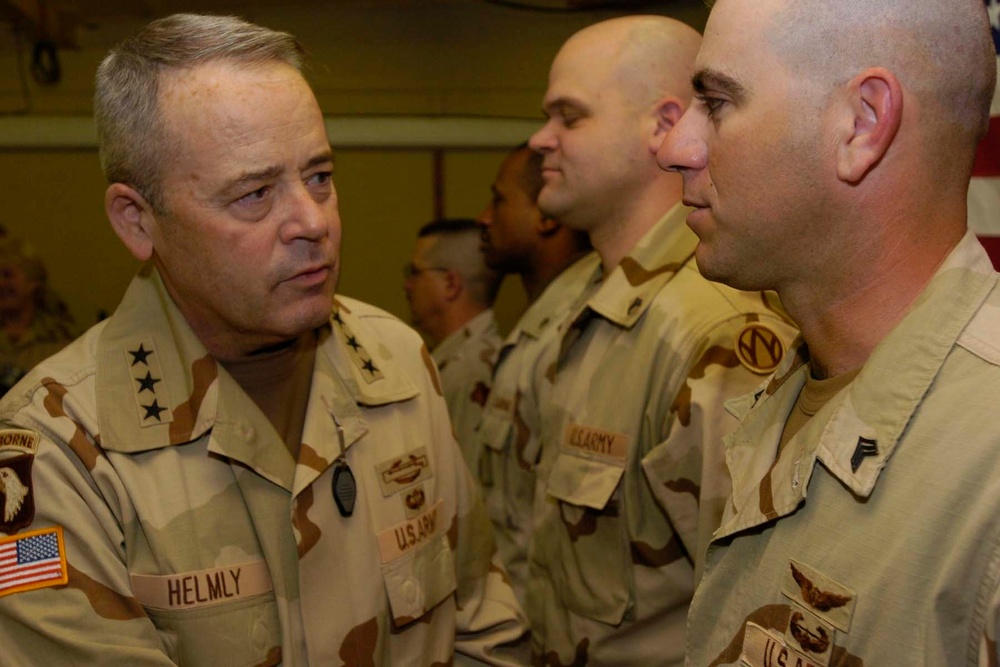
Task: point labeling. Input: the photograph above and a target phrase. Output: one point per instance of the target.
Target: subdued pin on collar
(144, 370)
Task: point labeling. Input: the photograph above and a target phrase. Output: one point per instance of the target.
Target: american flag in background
(32, 560)
(984, 190)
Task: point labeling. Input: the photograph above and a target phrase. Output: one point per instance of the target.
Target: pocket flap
(417, 582)
(583, 481)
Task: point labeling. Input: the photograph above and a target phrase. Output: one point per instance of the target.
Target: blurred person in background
(450, 292)
(35, 321)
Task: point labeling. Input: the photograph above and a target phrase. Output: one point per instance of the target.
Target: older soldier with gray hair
(829, 158)
(222, 472)
(632, 478)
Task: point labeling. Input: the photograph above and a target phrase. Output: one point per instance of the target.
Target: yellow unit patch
(759, 348)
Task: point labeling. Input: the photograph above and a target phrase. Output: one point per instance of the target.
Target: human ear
(666, 113)
(132, 219)
(452, 284)
(547, 226)
(874, 108)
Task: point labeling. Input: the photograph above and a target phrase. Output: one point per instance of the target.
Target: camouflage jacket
(511, 425)
(632, 474)
(180, 530)
(465, 361)
(873, 539)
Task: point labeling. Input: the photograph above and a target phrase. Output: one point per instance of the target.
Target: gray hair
(456, 248)
(130, 128)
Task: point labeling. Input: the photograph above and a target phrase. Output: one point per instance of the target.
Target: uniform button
(410, 591)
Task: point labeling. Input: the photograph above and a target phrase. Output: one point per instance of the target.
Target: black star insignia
(353, 342)
(153, 410)
(147, 382)
(370, 367)
(140, 355)
(336, 318)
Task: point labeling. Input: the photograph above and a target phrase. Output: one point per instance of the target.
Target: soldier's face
(593, 147)
(751, 155)
(16, 290)
(425, 286)
(249, 246)
(511, 220)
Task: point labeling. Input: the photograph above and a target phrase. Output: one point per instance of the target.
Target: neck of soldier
(456, 316)
(543, 269)
(621, 229)
(845, 313)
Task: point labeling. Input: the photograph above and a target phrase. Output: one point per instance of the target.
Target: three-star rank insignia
(146, 375)
(363, 361)
(759, 348)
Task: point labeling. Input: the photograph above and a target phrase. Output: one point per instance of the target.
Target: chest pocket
(587, 548)
(420, 571)
(232, 634)
(496, 432)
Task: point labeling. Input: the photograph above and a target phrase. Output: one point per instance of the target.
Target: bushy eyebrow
(707, 80)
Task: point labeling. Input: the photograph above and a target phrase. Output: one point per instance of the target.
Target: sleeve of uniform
(92, 618)
(687, 471)
(490, 626)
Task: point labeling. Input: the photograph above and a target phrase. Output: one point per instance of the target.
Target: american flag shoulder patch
(36, 559)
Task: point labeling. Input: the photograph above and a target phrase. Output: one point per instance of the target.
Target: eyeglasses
(410, 271)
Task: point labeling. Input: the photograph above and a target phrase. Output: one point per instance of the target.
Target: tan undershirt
(814, 395)
(278, 381)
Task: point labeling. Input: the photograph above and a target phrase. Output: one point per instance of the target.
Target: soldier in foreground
(221, 472)
(632, 476)
(862, 527)
(554, 263)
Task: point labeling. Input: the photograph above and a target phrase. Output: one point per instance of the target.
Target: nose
(543, 140)
(310, 218)
(684, 148)
(485, 217)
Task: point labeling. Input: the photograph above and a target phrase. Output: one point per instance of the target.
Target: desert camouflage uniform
(465, 361)
(632, 478)
(511, 426)
(192, 537)
(894, 557)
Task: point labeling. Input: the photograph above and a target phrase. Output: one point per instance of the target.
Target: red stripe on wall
(988, 154)
(992, 245)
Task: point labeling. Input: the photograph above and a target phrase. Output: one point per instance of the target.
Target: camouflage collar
(557, 298)
(630, 288)
(856, 433)
(158, 385)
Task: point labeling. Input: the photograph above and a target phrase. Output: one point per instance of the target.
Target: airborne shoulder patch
(759, 348)
(17, 453)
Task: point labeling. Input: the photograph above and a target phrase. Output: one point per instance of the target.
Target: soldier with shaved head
(828, 158)
(631, 477)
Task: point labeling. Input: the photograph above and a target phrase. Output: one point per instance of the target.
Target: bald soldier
(236, 468)
(450, 291)
(862, 527)
(553, 263)
(631, 479)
